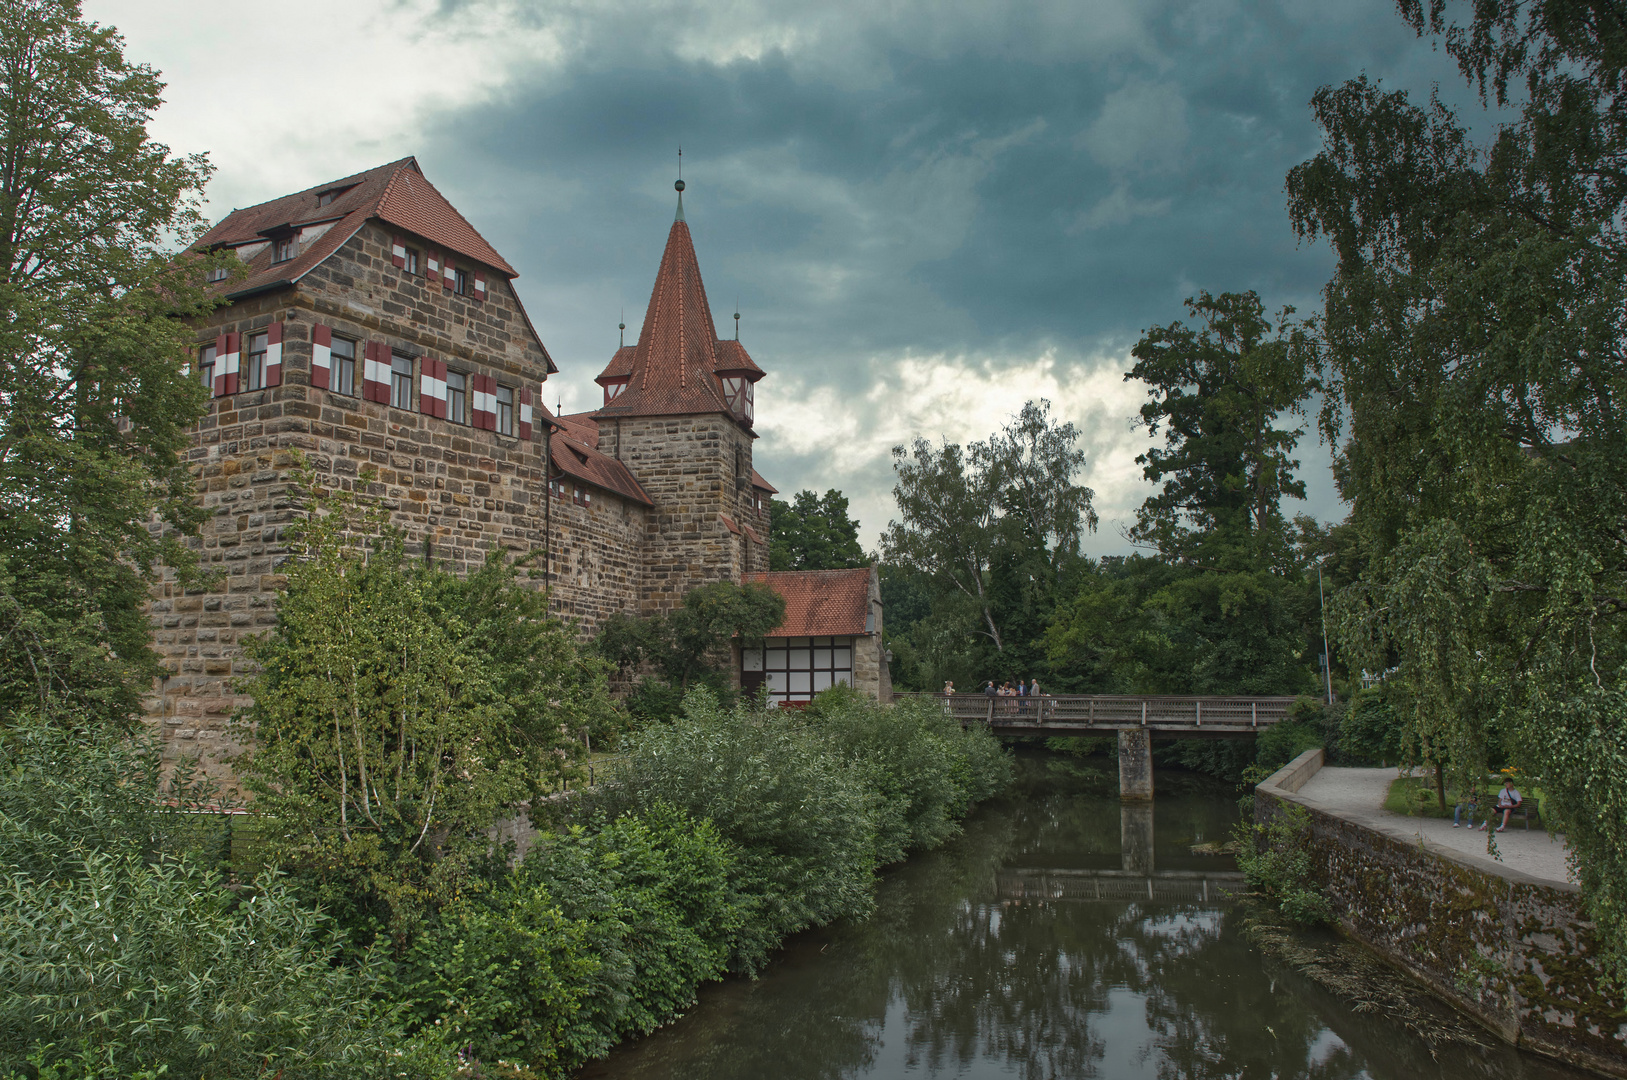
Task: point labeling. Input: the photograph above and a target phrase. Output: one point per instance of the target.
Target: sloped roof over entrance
(821, 602)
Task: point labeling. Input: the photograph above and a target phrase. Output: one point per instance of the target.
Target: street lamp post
(1327, 667)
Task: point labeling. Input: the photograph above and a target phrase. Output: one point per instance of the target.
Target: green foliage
(1282, 742)
(1371, 731)
(122, 954)
(94, 347)
(811, 805)
(927, 770)
(689, 645)
(1473, 335)
(813, 532)
(1218, 393)
(399, 711)
(1276, 862)
(995, 524)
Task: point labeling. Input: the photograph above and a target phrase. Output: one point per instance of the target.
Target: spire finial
(679, 186)
(622, 326)
(737, 318)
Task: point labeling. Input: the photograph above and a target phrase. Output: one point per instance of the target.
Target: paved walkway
(1359, 794)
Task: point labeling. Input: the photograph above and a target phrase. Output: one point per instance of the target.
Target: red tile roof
(580, 461)
(673, 368)
(820, 602)
(620, 366)
(758, 482)
(396, 193)
(732, 359)
(581, 427)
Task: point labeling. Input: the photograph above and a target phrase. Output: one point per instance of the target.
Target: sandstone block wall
(1515, 952)
(464, 491)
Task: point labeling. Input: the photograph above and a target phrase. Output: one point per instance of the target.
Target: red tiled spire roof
(672, 370)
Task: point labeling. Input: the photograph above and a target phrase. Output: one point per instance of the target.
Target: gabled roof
(820, 602)
(579, 460)
(672, 368)
(757, 481)
(396, 193)
(581, 427)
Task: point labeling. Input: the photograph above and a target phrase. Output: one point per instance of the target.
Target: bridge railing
(1108, 711)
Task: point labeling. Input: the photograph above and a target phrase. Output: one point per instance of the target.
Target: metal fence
(1110, 712)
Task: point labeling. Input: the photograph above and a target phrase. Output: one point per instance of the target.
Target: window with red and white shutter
(376, 372)
(478, 292)
(398, 252)
(273, 370)
(432, 267)
(432, 388)
(525, 413)
(227, 354)
(449, 275)
(485, 402)
(321, 357)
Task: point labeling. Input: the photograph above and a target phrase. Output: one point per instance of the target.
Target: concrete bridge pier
(1135, 764)
(1135, 837)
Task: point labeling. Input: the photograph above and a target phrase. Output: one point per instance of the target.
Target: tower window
(505, 410)
(457, 397)
(343, 359)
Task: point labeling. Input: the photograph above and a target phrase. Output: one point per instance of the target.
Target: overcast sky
(928, 211)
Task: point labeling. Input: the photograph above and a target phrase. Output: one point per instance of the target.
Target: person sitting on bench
(1508, 800)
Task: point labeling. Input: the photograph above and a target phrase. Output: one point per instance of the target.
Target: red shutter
(426, 386)
(525, 414)
(478, 290)
(432, 266)
(321, 356)
(370, 383)
(220, 366)
(440, 391)
(448, 275)
(274, 354)
(231, 359)
(398, 252)
(488, 414)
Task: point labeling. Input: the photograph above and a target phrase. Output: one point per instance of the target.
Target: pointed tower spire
(679, 186)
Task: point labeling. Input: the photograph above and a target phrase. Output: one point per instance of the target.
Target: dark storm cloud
(911, 180)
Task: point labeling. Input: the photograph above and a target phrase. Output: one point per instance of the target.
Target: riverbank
(1505, 941)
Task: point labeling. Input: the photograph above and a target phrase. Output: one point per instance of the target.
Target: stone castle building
(376, 329)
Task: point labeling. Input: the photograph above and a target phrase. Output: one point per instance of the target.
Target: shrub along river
(1067, 936)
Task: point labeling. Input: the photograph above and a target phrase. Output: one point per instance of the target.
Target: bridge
(1133, 718)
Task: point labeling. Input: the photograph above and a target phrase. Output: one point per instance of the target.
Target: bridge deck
(1103, 714)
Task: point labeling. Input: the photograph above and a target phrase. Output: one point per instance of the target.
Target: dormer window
(613, 390)
(284, 248)
(217, 273)
(331, 194)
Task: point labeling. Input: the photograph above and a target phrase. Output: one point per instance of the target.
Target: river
(1066, 936)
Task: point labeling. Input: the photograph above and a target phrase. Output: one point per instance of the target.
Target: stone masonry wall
(688, 465)
(598, 557)
(1517, 953)
(466, 491)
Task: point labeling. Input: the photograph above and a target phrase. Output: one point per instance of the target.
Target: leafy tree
(813, 532)
(398, 712)
(689, 645)
(1009, 503)
(1218, 393)
(1474, 340)
(95, 400)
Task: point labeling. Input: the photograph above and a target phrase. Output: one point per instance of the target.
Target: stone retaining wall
(1515, 952)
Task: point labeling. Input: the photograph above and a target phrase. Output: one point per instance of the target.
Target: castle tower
(678, 412)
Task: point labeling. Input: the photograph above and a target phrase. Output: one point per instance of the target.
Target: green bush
(121, 954)
(927, 770)
(803, 822)
(1275, 859)
(811, 803)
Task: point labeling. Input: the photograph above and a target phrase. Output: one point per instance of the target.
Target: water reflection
(1058, 938)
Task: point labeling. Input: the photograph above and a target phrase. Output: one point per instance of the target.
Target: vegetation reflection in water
(963, 971)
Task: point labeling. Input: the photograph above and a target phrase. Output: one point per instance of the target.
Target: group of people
(1508, 800)
(1005, 689)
